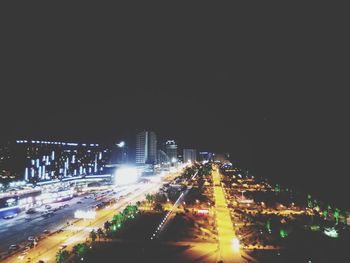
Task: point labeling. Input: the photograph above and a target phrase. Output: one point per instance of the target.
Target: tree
(149, 198)
(336, 215)
(107, 226)
(130, 210)
(158, 207)
(93, 235)
(61, 256)
(100, 233)
(118, 219)
(80, 250)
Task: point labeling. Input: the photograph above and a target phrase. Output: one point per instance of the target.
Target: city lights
(126, 175)
(235, 244)
(121, 144)
(331, 232)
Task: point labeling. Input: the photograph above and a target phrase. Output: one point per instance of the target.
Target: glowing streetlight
(235, 244)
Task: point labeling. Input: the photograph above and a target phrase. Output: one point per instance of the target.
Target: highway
(18, 229)
(79, 230)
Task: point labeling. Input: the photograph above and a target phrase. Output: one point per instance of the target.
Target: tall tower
(189, 155)
(121, 153)
(171, 150)
(146, 147)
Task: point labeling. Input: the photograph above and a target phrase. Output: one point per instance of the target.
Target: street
(78, 231)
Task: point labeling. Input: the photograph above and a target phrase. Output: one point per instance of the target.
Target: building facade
(121, 153)
(205, 156)
(36, 161)
(146, 147)
(171, 150)
(189, 155)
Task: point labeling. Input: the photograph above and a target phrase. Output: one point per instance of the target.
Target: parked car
(31, 238)
(14, 247)
(31, 211)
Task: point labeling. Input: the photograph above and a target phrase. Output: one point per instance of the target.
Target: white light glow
(235, 244)
(126, 175)
(121, 144)
(331, 232)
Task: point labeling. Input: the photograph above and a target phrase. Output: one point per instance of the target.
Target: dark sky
(270, 90)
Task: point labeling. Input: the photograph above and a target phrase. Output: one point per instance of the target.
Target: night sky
(269, 93)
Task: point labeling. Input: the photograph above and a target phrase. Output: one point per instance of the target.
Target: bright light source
(121, 144)
(235, 244)
(126, 175)
(331, 232)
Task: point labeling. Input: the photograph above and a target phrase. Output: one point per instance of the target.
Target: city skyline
(222, 136)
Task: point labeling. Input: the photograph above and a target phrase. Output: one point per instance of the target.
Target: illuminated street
(229, 246)
(79, 230)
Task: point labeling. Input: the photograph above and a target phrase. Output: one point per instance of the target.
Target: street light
(235, 244)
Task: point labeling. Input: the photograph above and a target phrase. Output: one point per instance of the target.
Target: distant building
(121, 153)
(146, 147)
(205, 156)
(163, 158)
(171, 150)
(189, 155)
(221, 157)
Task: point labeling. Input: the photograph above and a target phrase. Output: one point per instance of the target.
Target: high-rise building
(146, 147)
(205, 156)
(190, 155)
(121, 153)
(171, 150)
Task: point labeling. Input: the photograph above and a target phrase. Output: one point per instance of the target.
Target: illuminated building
(221, 157)
(189, 155)
(37, 161)
(205, 156)
(121, 153)
(171, 150)
(146, 147)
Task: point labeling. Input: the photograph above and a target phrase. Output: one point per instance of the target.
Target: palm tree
(100, 233)
(149, 198)
(93, 235)
(80, 250)
(61, 256)
(107, 226)
(158, 207)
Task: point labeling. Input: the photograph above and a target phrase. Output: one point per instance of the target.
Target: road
(79, 231)
(18, 229)
(228, 251)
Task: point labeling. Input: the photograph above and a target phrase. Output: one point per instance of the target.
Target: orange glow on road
(228, 242)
